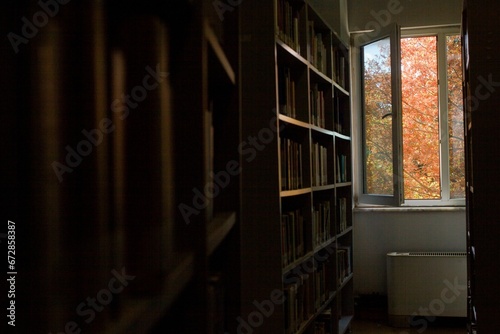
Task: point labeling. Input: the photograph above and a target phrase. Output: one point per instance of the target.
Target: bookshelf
(162, 79)
(480, 46)
(204, 203)
(299, 234)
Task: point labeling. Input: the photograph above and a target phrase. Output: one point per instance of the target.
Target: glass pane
(420, 101)
(378, 118)
(455, 117)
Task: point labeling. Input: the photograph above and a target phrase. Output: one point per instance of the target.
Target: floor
(371, 318)
(381, 327)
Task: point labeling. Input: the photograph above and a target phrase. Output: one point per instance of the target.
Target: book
(342, 214)
(319, 327)
(321, 222)
(291, 164)
(320, 165)
(317, 48)
(299, 305)
(341, 173)
(288, 20)
(344, 263)
(317, 101)
(287, 93)
(292, 236)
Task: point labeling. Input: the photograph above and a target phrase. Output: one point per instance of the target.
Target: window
(413, 135)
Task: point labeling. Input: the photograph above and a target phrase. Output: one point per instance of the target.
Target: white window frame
(398, 199)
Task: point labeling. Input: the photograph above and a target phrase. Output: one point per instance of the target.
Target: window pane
(377, 118)
(455, 117)
(421, 155)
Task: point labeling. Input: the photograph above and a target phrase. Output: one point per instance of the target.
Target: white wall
(331, 11)
(380, 231)
(408, 13)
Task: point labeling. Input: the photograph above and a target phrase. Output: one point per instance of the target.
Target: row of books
(299, 305)
(339, 67)
(292, 236)
(339, 124)
(288, 30)
(341, 172)
(317, 56)
(322, 222)
(323, 323)
(321, 327)
(291, 164)
(288, 105)
(287, 93)
(342, 215)
(288, 20)
(308, 294)
(343, 263)
(320, 165)
(324, 276)
(318, 106)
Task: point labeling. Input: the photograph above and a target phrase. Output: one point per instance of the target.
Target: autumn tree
(455, 117)
(420, 119)
(377, 118)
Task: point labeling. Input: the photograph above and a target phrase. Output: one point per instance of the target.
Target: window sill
(409, 209)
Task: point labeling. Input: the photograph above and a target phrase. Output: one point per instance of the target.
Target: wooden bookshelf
(480, 59)
(203, 101)
(301, 231)
(218, 229)
(149, 92)
(141, 314)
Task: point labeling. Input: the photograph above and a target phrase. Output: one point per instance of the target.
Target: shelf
(293, 121)
(146, 208)
(298, 262)
(305, 325)
(325, 244)
(219, 52)
(322, 188)
(320, 74)
(322, 130)
(218, 229)
(290, 54)
(296, 192)
(325, 304)
(139, 314)
(342, 89)
(345, 281)
(347, 230)
(343, 184)
(311, 108)
(341, 136)
(344, 323)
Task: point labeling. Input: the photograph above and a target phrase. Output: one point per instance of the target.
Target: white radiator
(428, 284)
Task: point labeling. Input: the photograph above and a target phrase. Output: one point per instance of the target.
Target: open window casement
(380, 87)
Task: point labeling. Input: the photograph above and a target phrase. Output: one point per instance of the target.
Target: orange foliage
(420, 122)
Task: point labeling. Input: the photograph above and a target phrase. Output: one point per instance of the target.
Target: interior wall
(407, 13)
(380, 231)
(331, 11)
